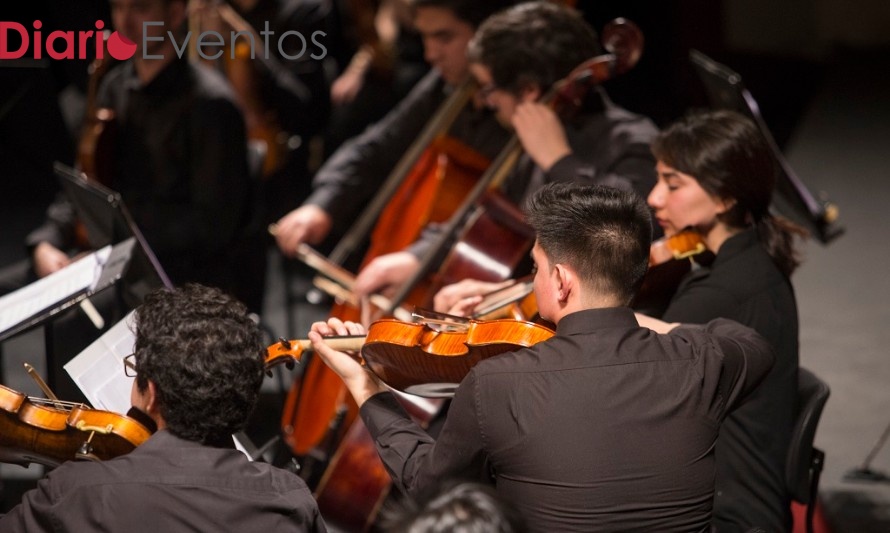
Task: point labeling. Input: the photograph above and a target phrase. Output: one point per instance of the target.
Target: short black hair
(205, 355)
(603, 233)
(533, 42)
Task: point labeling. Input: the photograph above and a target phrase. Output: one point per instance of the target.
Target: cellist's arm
(360, 381)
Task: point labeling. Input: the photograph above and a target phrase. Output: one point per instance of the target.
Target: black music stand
(40, 301)
(792, 198)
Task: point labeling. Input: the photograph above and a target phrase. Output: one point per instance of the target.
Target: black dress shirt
(744, 284)
(167, 484)
(605, 427)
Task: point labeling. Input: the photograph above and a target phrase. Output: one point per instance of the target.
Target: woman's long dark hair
(727, 155)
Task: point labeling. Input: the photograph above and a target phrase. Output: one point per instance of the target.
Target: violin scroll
(290, 352)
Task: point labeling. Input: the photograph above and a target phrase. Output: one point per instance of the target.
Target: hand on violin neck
(362, 384)
(541, 133)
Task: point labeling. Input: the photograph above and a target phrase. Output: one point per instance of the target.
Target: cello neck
(439, 124)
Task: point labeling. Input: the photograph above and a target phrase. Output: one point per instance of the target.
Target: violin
(670, 259)
(50, 432)
(422, 359)
(679, 246)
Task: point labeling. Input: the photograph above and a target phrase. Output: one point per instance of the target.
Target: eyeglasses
(130, 365)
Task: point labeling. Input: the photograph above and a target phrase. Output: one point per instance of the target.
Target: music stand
(106, 218)
(792, 198)
(48, 296)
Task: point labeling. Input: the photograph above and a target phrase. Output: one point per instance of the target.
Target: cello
(434, 164)
(623, 41)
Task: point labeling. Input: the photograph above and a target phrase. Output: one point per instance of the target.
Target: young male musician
(516, 57)
(180, 155)
(199, 365)
(354, 173)
(607, 426)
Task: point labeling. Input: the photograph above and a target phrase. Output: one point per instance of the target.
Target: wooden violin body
(418, 359)
(46, 432)
(415, 358)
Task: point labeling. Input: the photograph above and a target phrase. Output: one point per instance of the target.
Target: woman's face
(680, 202)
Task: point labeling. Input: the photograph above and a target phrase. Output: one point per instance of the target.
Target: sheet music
(99, 370)
(53, 290)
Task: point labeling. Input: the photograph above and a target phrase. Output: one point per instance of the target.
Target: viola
(679, 246)
(49, 432)
(419, 357)
(670, 260)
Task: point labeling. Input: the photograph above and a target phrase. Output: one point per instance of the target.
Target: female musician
(716, 175)
(199, 367)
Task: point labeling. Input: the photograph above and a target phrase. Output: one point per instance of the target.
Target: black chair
(804, 462)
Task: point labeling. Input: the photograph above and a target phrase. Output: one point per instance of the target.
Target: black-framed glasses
(130, 365)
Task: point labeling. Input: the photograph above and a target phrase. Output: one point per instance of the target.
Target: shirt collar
(597, 319)
(736, 244)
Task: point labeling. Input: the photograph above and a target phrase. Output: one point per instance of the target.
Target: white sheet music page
(99, 370)
(51, 291)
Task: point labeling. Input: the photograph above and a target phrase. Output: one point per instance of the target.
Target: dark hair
(473, 12)
(728, 156)
(601, 232)
(204, 353)
(455, 507)
(533, 43)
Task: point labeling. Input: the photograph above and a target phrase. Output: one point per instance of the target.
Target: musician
(292, 94)
(605, 426)
(716, 175)
(351, 176)
(180, 161)
(199, 365)
(516, 57)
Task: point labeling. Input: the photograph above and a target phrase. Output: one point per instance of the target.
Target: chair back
(812, 393)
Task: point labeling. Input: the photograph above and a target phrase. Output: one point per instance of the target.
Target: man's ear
(151, 398)
(565, 281)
